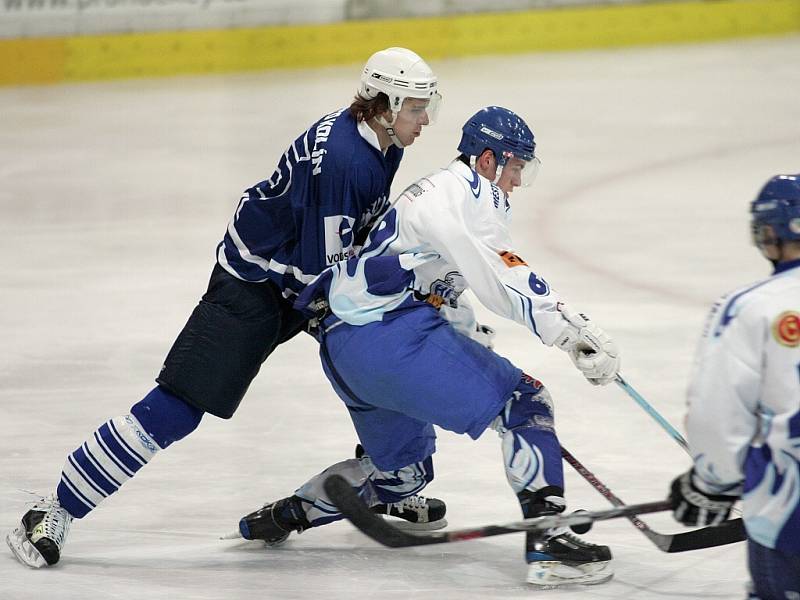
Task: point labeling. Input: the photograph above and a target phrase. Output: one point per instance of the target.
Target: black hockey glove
(692, 507)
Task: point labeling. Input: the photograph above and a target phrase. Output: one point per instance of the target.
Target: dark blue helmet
(505, 134)
(777, 205)
(500, 130)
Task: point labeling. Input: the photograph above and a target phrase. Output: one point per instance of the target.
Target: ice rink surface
(113, 197)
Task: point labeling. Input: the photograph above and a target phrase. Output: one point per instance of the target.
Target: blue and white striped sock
(97, 469)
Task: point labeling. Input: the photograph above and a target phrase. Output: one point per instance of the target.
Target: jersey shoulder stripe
(737, 300)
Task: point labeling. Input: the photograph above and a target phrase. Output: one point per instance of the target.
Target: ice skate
(415, 513)
(39, 538)
(418, 513)
(274, 522)
(565, 559)
(557, 557)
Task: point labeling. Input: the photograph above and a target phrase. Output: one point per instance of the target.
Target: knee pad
(530, 405)
(165, 417)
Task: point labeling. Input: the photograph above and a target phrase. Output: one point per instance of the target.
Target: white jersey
(744, 406)
(445, 233)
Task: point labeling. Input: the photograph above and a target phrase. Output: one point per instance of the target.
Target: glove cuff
(696, 495)
(571, 335)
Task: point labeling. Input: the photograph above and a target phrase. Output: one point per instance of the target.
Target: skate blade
(409, 526)
(23, 550)
(554, 574)
(237, 535)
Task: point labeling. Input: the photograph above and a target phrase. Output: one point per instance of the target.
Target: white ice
(113, 197)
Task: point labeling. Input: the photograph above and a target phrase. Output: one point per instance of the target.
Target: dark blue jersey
(328, 189)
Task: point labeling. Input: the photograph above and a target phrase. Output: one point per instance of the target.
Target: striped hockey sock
(97, 469)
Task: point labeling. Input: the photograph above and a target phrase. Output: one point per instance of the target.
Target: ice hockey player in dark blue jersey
(330, 185)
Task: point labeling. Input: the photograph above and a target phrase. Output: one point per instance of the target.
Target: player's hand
(591, 349)
(693, 507)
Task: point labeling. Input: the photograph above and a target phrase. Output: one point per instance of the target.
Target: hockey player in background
(329, 187)
(401, 367)
(743, 420)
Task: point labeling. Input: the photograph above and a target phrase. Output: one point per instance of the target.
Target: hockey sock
(394, 486)
(120, 447)
(531, 451)
(374, 486)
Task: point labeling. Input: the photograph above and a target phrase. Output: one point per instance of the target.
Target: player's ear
(386, 114)
(486, 159)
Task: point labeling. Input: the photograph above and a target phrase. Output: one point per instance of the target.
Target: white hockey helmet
(400, 73)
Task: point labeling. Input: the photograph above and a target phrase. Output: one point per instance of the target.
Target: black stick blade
(727, 532)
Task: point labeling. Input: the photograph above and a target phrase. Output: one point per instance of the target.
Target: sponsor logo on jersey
(447, 290)
(416, 189)
(339, 237)
(512, 260)
(786, 329)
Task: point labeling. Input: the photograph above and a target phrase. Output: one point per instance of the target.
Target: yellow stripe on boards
(156, 54)
(32, 61)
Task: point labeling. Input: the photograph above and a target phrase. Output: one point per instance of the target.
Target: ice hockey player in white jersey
(743, 420)
(400, 367)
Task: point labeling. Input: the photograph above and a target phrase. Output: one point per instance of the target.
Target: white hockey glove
(484, 335)
(592, 351)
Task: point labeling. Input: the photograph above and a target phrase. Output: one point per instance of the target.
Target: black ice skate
(565, 559)
(39, 538)
(559, 557)
(274, 521)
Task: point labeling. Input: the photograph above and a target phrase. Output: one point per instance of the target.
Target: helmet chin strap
(389, 127)
(473, 160)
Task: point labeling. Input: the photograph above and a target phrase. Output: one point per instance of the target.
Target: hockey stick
(620, 381)
(352, 506)
(728, 532)
(659, 419)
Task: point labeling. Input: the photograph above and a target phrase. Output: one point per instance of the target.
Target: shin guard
(531, 451)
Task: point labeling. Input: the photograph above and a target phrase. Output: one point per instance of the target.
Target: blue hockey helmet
(775, 212)
(505, 134)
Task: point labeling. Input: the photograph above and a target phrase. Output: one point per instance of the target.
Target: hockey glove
(694, 507)
(592, 351)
